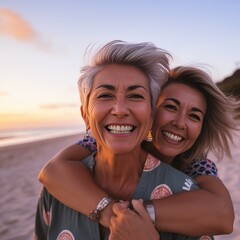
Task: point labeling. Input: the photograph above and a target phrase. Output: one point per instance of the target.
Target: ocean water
(12, 137)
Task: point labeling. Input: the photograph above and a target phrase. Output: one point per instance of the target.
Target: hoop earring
(149, 136)
(86, 136)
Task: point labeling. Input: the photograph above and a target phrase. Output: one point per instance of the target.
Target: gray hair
(219, 120)
(153, 61)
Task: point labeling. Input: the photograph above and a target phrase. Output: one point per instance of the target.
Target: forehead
(184, 94)
(121, 75)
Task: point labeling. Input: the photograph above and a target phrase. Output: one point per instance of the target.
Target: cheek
(195, 132)
(142, 111)
(95, 114)
(97, 107)
(160, 120)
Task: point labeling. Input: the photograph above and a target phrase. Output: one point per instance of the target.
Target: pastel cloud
(14, 26)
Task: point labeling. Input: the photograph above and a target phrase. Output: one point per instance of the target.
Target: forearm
(76, 189)
(69, 182)
(67, 179)
(200, 212)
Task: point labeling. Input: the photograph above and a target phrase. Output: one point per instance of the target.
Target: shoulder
(201, 167)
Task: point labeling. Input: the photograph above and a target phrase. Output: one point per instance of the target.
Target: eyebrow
(178, 103)
(130, 88)
(107, 86)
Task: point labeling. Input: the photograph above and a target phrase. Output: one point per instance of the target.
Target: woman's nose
(120, 108)
(180, 121)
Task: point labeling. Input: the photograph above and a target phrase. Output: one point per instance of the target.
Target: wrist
(151, 210)
(95, 214)
(106, 215)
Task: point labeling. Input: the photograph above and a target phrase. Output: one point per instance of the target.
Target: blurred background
(42, 46)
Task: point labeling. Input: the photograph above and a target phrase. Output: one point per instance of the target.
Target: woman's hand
(130, 224)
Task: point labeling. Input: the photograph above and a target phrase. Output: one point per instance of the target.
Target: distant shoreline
(7, 137)
(15, 137)
(37, 141)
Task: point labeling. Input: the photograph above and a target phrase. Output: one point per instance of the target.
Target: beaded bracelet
(95, 214)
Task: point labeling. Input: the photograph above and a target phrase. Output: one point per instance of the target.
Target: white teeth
(172, 136)
(117, 129)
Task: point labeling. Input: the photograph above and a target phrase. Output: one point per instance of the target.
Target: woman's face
(179, 119)
(119, 111)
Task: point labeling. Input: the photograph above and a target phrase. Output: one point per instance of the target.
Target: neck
(118, 174)
(149, 147)
(168, 160)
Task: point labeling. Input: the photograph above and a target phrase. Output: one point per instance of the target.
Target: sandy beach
(19, 168)
(229, 172)
(20, 165)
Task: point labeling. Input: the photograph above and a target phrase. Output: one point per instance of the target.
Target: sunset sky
(42, 44)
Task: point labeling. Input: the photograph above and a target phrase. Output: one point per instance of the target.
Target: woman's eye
(136, 96)
(195, 117)
(170, 107)
(104, 95)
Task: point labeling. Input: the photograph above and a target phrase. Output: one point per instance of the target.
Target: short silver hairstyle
(153, 61)
(220, 119)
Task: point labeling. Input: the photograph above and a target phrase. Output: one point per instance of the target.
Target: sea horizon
(19, 136)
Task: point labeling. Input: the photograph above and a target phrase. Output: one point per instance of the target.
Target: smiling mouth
(120, 129)
(172, 136)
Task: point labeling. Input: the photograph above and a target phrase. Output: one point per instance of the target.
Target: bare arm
(191, 213)
(69, 180)
(199, 212)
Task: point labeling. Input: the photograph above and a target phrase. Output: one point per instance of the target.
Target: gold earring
(149, 136)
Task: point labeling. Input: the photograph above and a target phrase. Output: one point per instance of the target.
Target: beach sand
(19, 187)
(229, 172)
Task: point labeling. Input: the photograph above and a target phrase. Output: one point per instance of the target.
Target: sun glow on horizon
(44, 118)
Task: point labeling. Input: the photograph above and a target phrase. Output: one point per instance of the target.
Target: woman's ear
(85, 117)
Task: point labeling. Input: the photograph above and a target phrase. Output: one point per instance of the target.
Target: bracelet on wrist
(95, 214)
